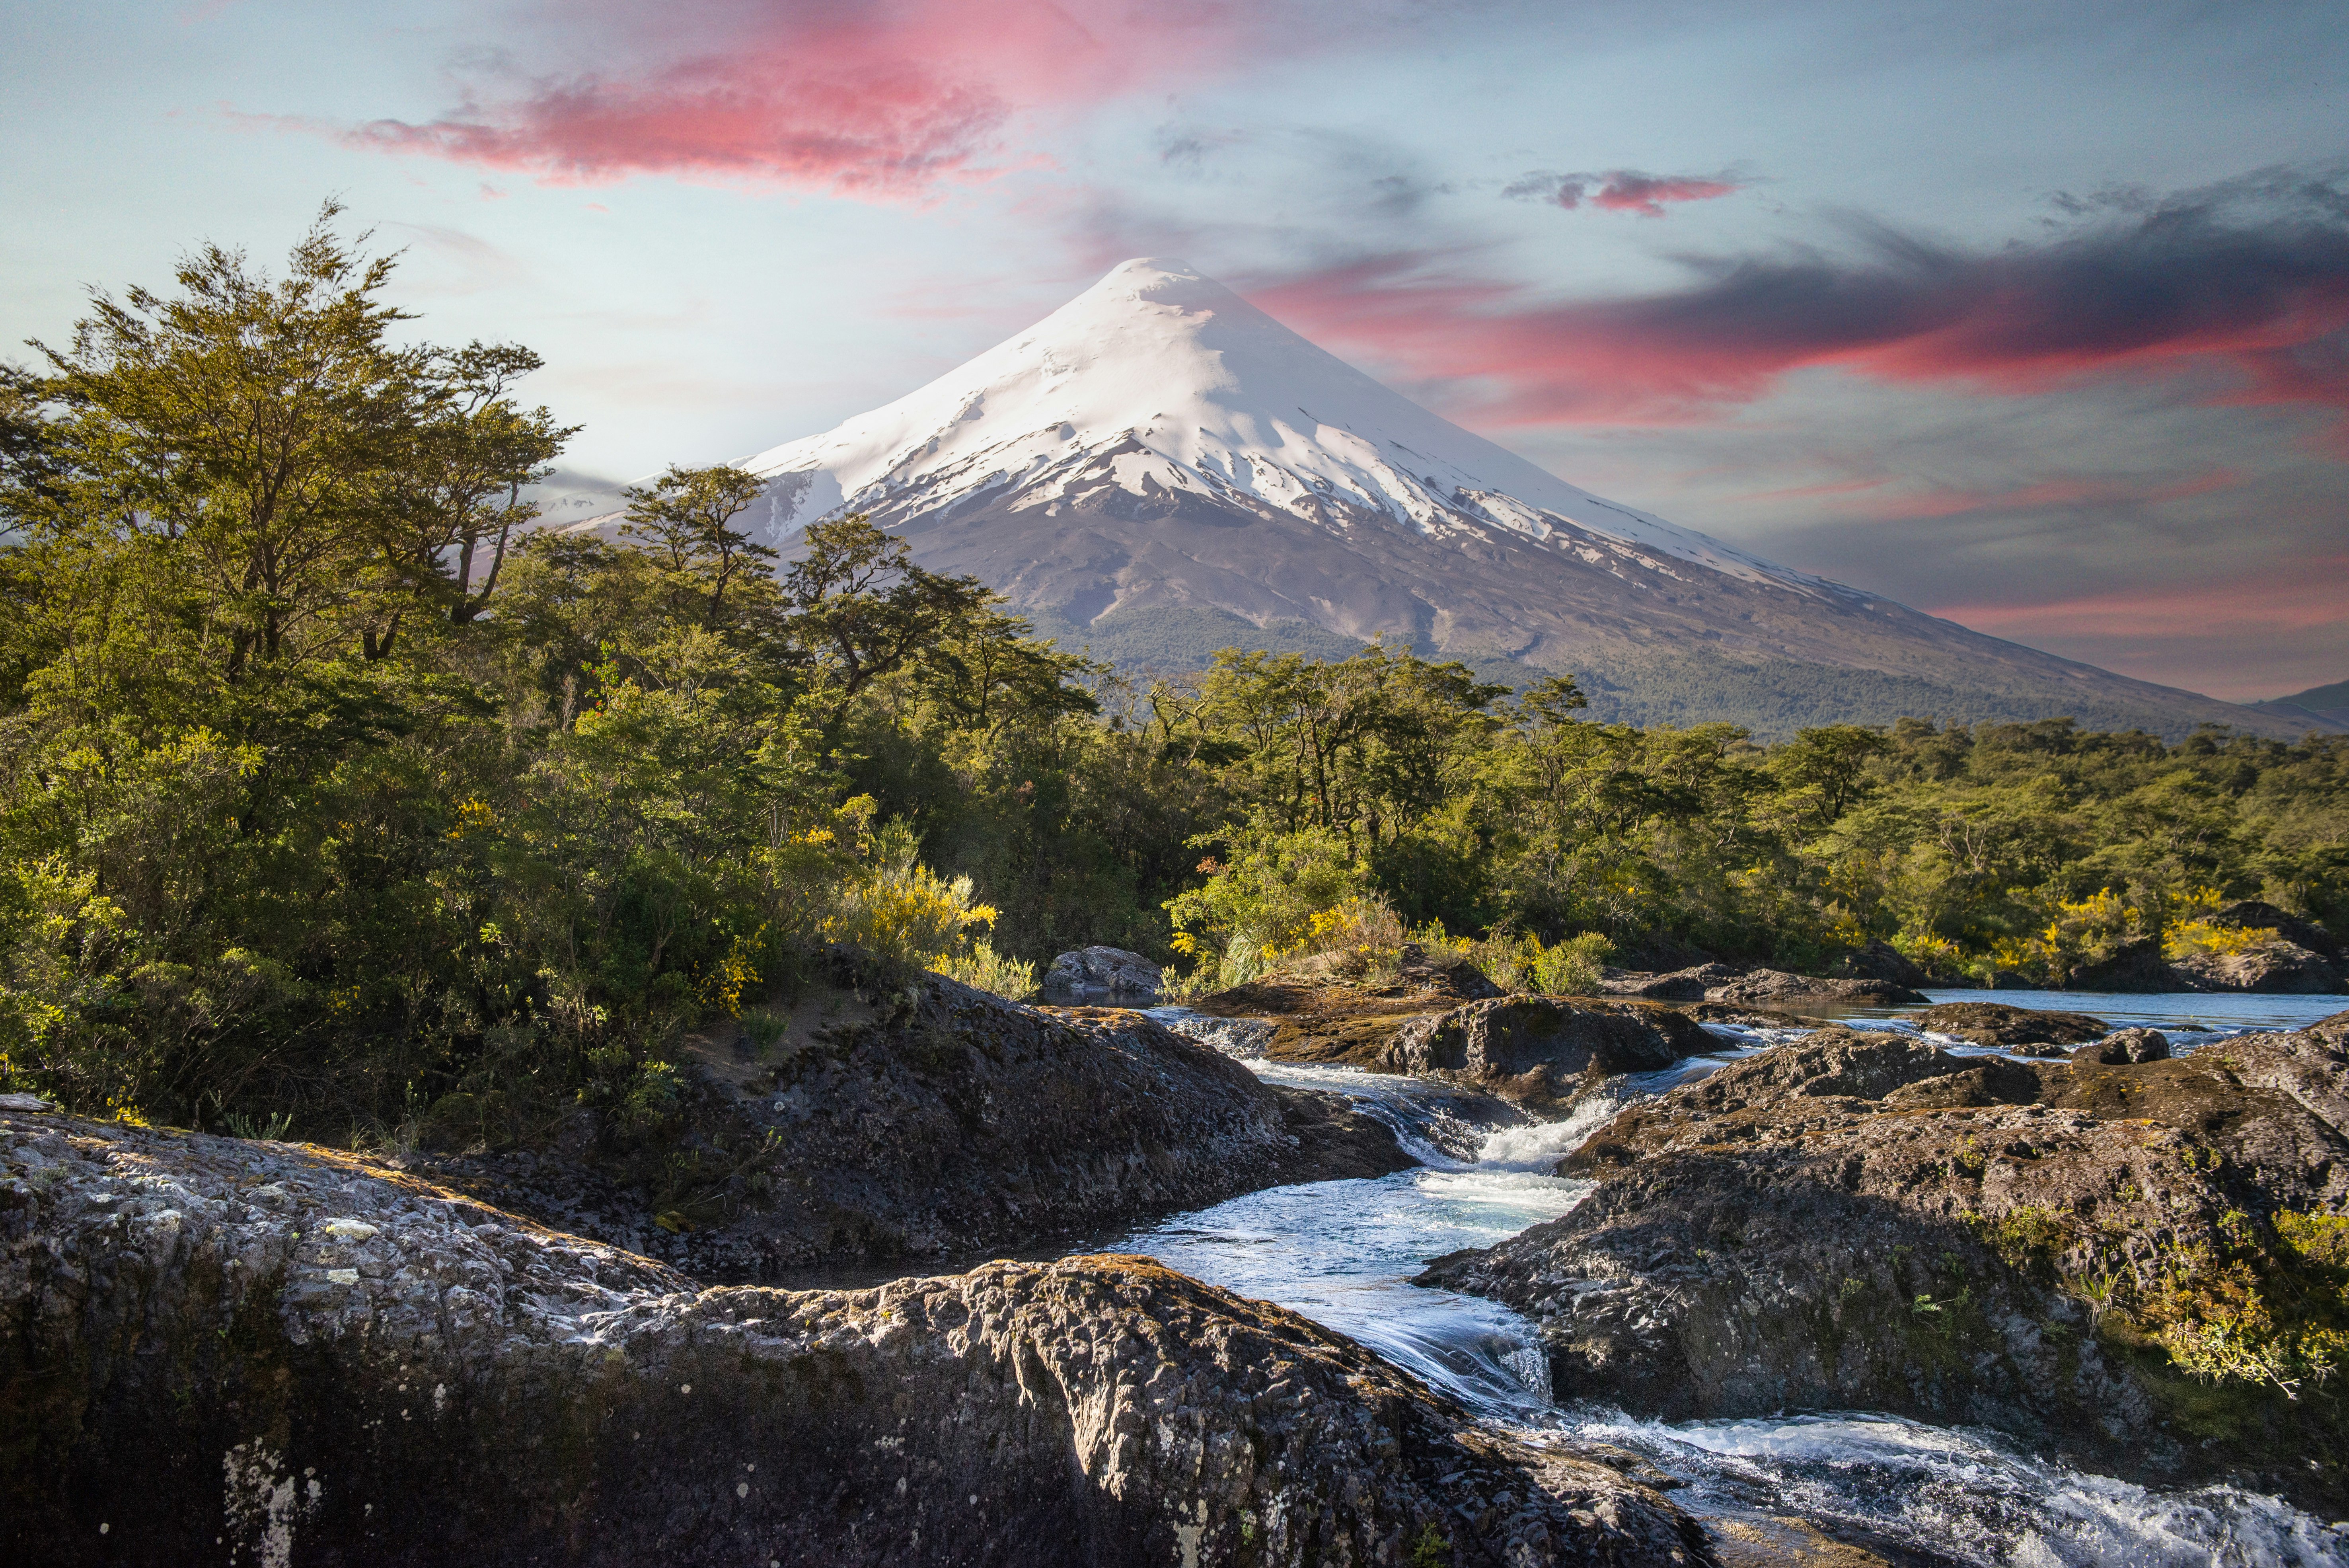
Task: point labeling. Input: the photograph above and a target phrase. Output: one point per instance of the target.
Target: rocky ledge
(933, 1123)
(217, 1350)
(1994, 1023)
(2141, 1266)
(1541, 1051)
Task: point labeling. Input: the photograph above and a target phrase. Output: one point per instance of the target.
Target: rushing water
(1343, 1254)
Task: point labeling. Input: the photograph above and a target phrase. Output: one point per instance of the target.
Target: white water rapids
(1343, 1253)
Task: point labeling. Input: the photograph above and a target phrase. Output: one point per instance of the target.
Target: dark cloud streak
(2247, 282)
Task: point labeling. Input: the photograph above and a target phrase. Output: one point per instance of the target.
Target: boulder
(2276, 967)
(1996, 1023)
(1539, 1048)
(1109, 971)
(2122, 1047)
(1867, 1222)
(1778, 988)
(223, 1351)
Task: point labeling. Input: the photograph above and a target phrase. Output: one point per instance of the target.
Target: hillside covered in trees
(331, 784)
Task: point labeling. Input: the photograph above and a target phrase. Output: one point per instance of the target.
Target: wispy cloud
(2245, 283)
(877, 100)
(1622, 190)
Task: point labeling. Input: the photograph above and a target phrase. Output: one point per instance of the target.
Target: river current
(1343, 1254)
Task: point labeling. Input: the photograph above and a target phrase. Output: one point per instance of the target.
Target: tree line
(335, 782)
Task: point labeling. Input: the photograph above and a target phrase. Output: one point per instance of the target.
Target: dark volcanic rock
(939, 1124)
(1334, 1141)
(1869, 1222)
(1996, 1023)
(2311, 1065)
(222, 1351)
(2276, 967)
(2122, 1047)
(1538, 1048)
(1778, 988)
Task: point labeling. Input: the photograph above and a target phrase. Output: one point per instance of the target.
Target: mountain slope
(2318, 707)
(1158, 445)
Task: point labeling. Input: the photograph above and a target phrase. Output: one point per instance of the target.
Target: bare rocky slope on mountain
(906, 1118)
(1865, 1221)
(222, 1351)
(1158, 457)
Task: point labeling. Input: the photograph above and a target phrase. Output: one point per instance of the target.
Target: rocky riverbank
(925, 1123)
(223, 1350)
(2141, 1265)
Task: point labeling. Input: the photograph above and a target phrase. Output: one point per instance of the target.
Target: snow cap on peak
(1159, 380)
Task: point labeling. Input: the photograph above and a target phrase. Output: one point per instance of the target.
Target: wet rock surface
(221, 1350)
(943, 1124)
(1865, 1221)
(1540, 1050)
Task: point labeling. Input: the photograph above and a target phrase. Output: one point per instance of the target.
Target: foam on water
(1344, 1253)
(1964, 1494)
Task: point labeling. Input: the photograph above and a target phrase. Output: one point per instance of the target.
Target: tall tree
(685, 519)
(254, 425)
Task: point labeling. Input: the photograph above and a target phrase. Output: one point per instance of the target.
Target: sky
(2034, 316)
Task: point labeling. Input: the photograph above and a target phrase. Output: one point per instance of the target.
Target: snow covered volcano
(1159, 447)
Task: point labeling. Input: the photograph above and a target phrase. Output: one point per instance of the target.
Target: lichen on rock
(2142, 1266)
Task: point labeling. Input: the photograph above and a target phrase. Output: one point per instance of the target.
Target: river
(1343, 1254)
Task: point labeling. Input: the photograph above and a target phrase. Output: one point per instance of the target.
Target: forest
(333, 781)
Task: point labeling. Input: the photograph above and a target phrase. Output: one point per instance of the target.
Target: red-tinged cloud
(1622, 191)
(1646, 196)
(2247, 285)
(876, 99)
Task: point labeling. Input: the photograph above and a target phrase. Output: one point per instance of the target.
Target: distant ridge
(2318, 707)
(1159, 467)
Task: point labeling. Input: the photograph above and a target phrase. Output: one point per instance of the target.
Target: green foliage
(1572, 967)
(331, 788)
(1013, 979)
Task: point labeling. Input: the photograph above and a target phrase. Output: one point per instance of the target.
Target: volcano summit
(1158, 468)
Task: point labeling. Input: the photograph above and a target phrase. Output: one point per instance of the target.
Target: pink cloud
(875, 99)
(2259, 312)
(1646, 194)
(1624, 190)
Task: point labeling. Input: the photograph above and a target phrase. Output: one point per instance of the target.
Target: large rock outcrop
(219, 1351)
(1996, 1023)
(2098, 1259)
(1541, 1049)
(935, 1124)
